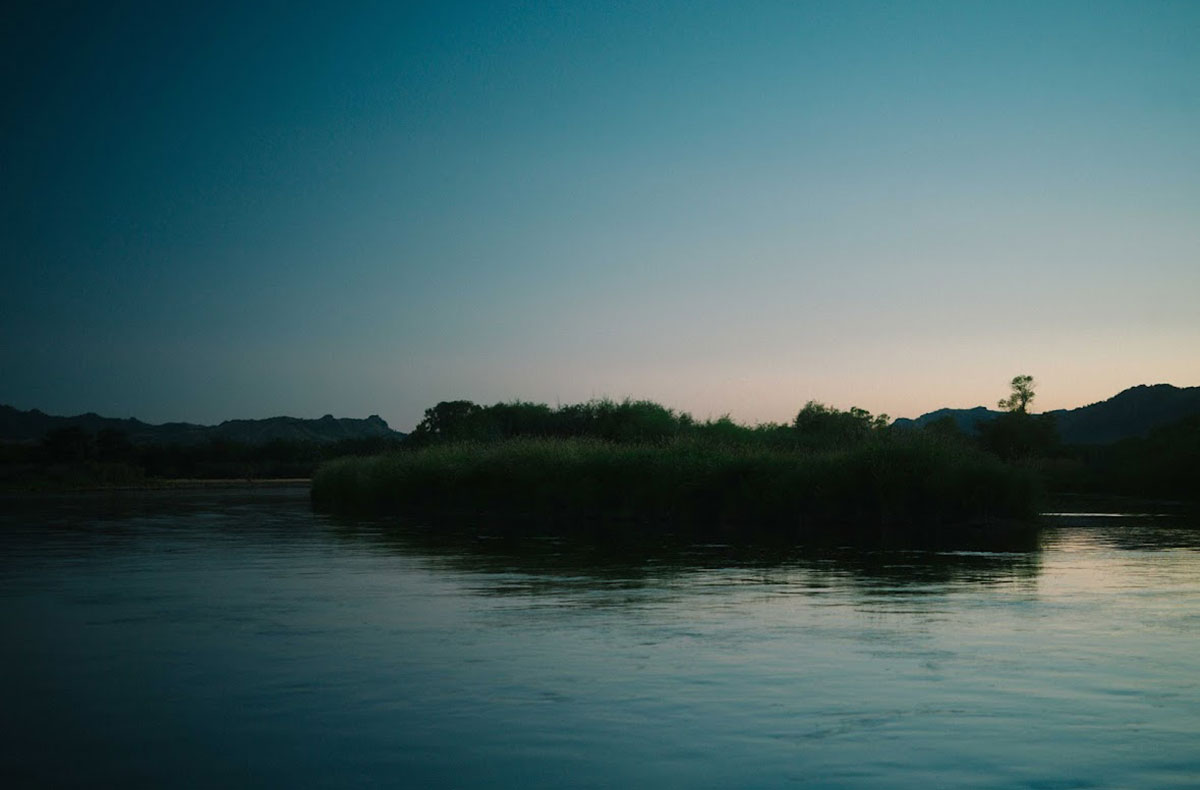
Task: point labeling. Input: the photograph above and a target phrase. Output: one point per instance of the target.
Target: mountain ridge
(17, 426)
(1132, 412)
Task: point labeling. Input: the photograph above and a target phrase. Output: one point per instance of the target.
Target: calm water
(232, 639)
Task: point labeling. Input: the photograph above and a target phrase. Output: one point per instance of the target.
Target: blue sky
(224, 211)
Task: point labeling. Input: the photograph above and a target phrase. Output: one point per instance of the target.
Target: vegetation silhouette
(638, 460)
(1163, 465)
(862, 456)
(74, 458)
(1022, 395)
(624, 421)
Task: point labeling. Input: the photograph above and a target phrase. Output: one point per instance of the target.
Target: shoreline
(166, 484)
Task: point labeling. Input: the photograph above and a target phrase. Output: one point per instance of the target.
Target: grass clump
(879, 478)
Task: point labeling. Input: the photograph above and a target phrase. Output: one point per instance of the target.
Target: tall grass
(899, 479)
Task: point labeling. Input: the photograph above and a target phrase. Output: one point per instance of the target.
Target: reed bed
(895, 480)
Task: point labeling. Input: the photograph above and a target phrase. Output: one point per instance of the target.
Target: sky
(240, 210)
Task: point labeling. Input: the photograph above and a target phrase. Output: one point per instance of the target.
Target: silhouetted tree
(819, 425)
(520, 418)
(1022, 395)
(1018, 434)
(624, 421)
(449, 420)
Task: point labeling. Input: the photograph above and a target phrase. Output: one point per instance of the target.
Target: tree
(1021, 397)
(624, 421)
(1018, 434)
(454, 420)
(818, 425)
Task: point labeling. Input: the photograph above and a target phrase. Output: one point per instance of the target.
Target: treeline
(643, 461)
(73, 457)
(639, 459)
(636, 422)
(1165, 464)
(76, 457)
(1014, 437)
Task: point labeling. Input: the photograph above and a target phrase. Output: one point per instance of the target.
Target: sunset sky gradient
(224, 210)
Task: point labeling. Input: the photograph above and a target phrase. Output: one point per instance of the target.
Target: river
(235, 638)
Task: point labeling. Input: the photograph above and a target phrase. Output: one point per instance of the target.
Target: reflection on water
(234, 638)
(553, 564)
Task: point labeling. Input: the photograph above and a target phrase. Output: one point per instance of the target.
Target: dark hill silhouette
(32, 426)
(967, 420)
(1134, 412)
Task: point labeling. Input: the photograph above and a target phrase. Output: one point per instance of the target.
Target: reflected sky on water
(209, 637)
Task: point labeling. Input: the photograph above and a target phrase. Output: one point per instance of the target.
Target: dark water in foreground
(230, 639)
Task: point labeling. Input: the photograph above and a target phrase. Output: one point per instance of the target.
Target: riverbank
(895, 481)
(152, 484)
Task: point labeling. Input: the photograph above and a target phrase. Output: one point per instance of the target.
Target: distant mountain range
(1133, 412)
(31, 426)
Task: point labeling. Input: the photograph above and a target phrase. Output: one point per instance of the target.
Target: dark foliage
(1017, 435)
(1165, 464)
(624, 421)
(72, 457)
(635, 422)
(1130, 413)
(643, 461)
(882, 480)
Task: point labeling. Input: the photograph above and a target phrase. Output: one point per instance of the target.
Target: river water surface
(234, 638)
